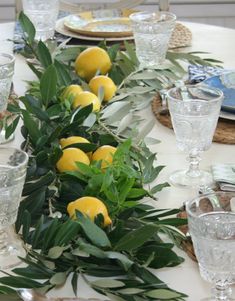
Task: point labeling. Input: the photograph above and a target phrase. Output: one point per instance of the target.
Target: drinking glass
(211, 219)
(194, 113)
(152, 32)
(13, 164)
(43, 14)
(7, 63)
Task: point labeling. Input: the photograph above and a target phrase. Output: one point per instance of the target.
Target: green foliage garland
(119, 255)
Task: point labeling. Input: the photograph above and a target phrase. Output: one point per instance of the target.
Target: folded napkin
(198, 73)
(224, 175)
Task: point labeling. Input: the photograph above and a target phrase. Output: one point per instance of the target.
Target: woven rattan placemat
(224, 133)
(181, 37)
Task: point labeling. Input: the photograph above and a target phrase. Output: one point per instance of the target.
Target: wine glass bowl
(13, 164)
(211, 219)
(194, 113)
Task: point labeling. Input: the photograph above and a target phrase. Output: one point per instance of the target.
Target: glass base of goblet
(10, 249)
(180, 178)
(3, 140)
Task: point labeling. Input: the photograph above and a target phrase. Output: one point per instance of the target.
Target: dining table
(219, 43)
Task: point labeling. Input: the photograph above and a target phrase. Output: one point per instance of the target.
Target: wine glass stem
(193, 170)
(222, 292)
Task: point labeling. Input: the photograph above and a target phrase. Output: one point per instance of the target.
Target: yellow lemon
(90, 61)
(85, 98)
(105, 82)
(71, 90)
(91, 207)
(72, 140)
(67, 161)
(105, 154)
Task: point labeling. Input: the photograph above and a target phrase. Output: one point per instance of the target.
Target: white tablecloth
(220, 42)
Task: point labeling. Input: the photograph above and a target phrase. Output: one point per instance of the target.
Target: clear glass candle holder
(152, 32)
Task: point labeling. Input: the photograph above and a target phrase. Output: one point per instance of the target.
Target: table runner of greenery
(120, 256)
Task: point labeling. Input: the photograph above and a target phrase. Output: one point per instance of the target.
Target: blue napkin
(197, 73)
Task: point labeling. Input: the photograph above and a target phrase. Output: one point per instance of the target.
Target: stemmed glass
(7, 62)
(211, 219)
(13, 164)
(194, 113)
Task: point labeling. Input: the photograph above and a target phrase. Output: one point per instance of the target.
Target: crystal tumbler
(212, 227)
(152, 32)
(13, 164)
(43, 14)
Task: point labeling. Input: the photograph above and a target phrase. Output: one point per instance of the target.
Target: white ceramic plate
(60, 28)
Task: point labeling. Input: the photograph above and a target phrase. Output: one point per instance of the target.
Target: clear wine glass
(7, 63)
(13, 164)
(211, 219)
(194, 113)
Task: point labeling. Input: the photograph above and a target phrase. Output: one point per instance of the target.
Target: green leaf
(59, 278)
(163, 294)
(89, 249)
(63, 76)
(159, 187)
(33, 106)
(131, 53)
(37, 233)
(136, 193)
(28, 27)
(44, 55)
(10, 129)
(48, 85)
(113, 51)
(32, 127)
(66, 233)
(136, 238)
(26, 224)
(55, 252)
(131, 291)
(107, 283)
(35, 70)
(74, 283)
(20, 282)
(95, 234)
(43, 181)
(50, 234)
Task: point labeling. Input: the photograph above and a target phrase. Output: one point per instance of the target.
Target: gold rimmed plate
(103, 23)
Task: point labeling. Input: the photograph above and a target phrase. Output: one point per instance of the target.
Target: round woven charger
(181, 37)
(224, 133)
